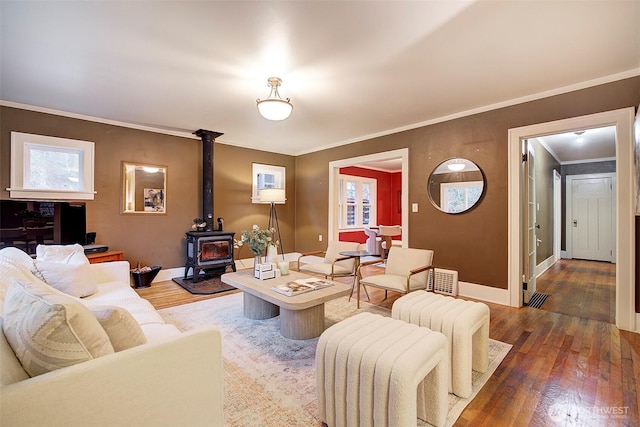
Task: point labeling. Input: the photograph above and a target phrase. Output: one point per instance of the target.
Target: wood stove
(209, 251)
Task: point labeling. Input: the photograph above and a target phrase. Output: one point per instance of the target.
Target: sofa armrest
(114, 271)
(175, 382)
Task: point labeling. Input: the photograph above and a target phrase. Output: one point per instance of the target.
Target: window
(357, 202)
(266, 176)
(51, 168)
(459, 196)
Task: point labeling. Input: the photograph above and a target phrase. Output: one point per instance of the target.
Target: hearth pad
(204, 286)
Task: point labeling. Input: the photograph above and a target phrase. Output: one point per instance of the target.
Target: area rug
(204, 286)
(270, 380)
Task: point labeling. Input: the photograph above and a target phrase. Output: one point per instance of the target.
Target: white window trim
(279, 173)
(343, 205)
(444, 196)
(19, 143)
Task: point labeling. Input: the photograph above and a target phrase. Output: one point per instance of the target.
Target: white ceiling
(353, 69)
(582, 145)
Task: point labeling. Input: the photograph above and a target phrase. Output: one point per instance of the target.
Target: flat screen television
(40, 222)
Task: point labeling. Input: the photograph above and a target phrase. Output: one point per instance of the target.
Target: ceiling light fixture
(274, 107)
(456, 165)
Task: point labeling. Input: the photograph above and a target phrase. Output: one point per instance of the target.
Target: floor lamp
(273, 196)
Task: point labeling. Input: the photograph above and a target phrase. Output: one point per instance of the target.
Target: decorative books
(301, 286)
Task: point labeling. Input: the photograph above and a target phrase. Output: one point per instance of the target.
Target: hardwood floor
(580, 288)
(568, 368)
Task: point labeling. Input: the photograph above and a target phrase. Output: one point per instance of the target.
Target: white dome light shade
(274, 107)
(456, 165)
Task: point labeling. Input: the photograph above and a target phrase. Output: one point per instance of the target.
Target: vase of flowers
(257, 240)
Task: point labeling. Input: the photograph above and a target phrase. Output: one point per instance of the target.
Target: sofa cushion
(66, 254)
(48, 330)
(123, 331)
(73, 279)
(116, 293)
(11, 371)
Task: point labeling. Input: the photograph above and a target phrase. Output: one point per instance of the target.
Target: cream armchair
(334, 264)
(406, 270)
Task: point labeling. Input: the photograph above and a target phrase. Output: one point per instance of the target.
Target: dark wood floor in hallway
(580, 288)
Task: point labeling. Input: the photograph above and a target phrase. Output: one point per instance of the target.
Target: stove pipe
(208, 138)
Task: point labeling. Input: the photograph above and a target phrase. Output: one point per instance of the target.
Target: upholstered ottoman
(374, 370)
(464, 323)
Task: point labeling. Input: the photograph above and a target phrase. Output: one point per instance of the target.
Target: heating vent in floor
(537, 300)
(446, 282)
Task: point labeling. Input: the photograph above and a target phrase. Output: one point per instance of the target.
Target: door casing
(623, 120)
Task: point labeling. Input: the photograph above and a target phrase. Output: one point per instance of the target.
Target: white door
(530, 241)
(591, 226)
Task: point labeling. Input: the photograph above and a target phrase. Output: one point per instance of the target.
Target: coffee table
(301, 316)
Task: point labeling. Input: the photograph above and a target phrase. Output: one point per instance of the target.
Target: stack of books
(301, 286)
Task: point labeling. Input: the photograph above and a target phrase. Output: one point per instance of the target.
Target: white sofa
(173, 379)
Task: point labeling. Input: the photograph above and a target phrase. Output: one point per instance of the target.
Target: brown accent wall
(157, 239)
(474, 243)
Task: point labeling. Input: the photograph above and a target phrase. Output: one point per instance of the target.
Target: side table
(105, 256)
(357, 255)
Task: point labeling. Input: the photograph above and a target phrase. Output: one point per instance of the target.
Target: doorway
(334, 172)
(625, 197)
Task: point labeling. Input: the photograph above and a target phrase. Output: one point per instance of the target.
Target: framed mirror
(456, 186)
(144, 188)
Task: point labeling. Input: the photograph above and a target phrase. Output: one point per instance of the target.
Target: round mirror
(456, 186)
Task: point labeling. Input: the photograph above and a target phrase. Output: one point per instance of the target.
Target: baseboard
(483, 293)
(241, 264)
(544, 266)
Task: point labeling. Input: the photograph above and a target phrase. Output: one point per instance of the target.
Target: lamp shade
(456, 165)
(274, 109)
(272, 195)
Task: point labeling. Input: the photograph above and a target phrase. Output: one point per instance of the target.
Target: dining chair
(374, 242)
(387, 232)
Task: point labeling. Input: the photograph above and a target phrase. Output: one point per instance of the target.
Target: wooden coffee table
(301, 316)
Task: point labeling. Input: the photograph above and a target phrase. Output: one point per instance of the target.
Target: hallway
(585, 289)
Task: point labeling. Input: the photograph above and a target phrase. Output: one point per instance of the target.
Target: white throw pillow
(48, 330)
(124, 332)
(12, 268)
(16, 256)
(72, 279)
(66, 254)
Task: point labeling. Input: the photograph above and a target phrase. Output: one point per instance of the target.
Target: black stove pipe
(208, 138)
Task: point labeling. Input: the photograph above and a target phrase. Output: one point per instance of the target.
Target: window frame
(465, 185)
(21, 143)
(359, 205)
(259, 170)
